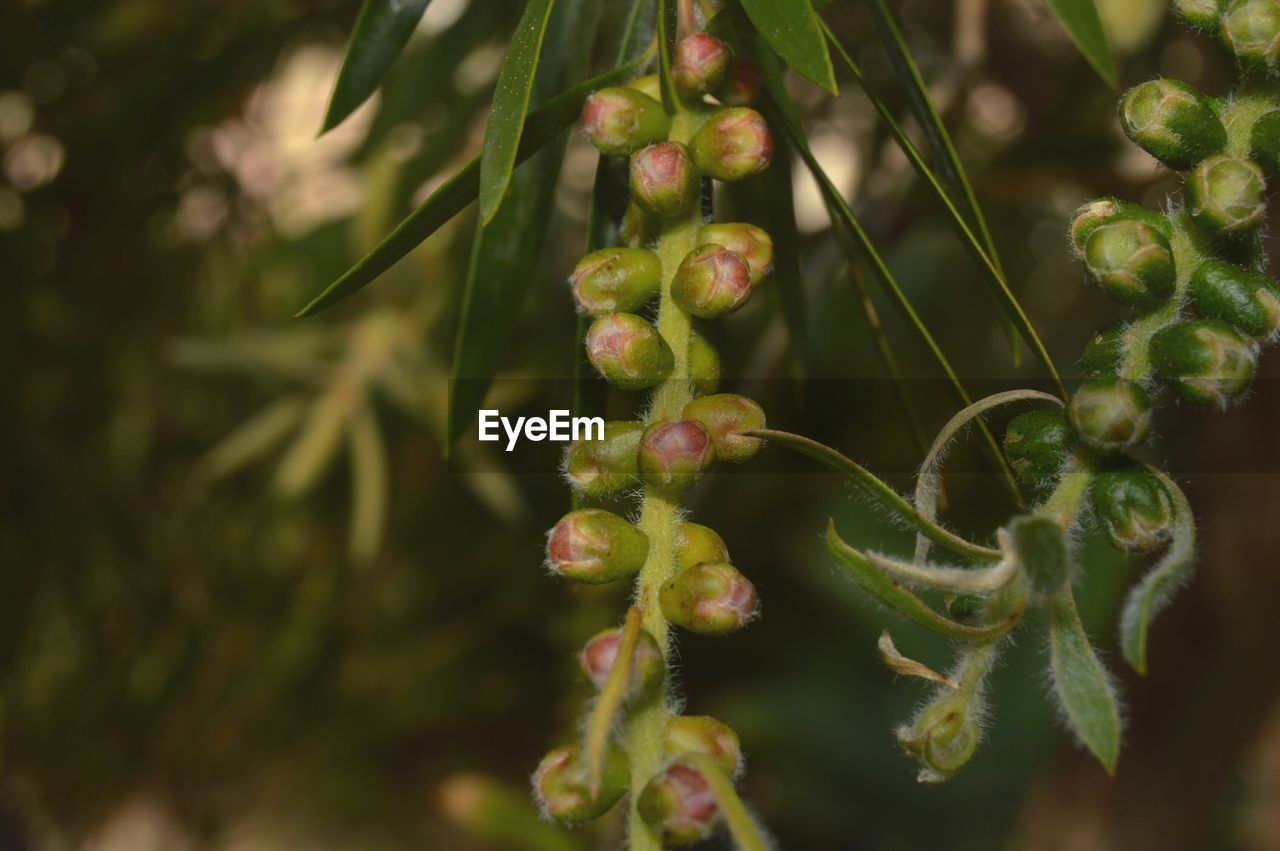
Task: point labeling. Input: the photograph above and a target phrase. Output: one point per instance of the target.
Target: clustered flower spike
(699, 270)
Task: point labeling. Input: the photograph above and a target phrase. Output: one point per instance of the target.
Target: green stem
(660, 514)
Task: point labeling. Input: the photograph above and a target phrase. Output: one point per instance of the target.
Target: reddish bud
(664, 180)
(732, 144)
(561, 789)
(749, 242)
(674, 454)
(618, 120)
(628, 351)
(741, 86)
(726, 416)
(614, 279)
(699, 64)
(678, 804)
(702, 734)
(595, 546)
(696, 544)
(711, 281)
(709, 599)
(647, 666)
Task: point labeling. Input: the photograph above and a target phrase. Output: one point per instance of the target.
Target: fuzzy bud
(674, 454)
(664, 180)
(618, 120)
(1205, 359)
(563, 793)
(702, 734)
(1264, 142)
(741, 86)
(1243, 298)
(596, 546)
(712, 598)
(726, 416)
(1226, 194)
(1173, 122)
(711, 281)
(1104, 352)
(628, 351)
(678, 804)
(1202, 14)
(639, 228)
(599, 468)
(1111, 414)
(944, 736)
(647, 665)
(749, 242)
(1134, 507)
(1092, 215)
(1036, 444)
(704, 365)
(732, 144)
(1251, 30)
(699, 64)
(615, 279)
(696, 544)
(1131, 261)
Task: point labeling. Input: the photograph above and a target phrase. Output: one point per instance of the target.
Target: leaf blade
(792, 29)
(1080, 19)
(381, 31)
(1081, 683)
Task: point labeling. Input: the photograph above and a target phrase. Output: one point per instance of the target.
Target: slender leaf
(1080, 19)
(541, 127)
(368, 486)
(899, 664)
(1157, 588)
(1081, 683)
(253, 439)
(745, 830)
(667, 23)
(608, 705)
(881, 492)
(944, 577)
(510, 103)
(792, 29)
(381, 31)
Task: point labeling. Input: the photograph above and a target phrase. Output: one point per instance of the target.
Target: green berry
(600, 468)
(1251, 30)
(562, 791)
(628, 351)
(619, 121)
(702, 734)
(711, 281)
(726, 416)
(1131, 261)
(1110, 414)
(1202, 14)
(674, 454)
(647, 666)
(1173, 122)
(696, 544)
(1036, 444)
(1104, 352)
(1092, 215)
(1226, 194)
(1243, 298)
(596, 546)
(613, 279)
(699, 64)
(1207, 362)
(1264, 142)
(1133, 507)
(712, 598)
(732, 144)
(664, 180)
(749, 242)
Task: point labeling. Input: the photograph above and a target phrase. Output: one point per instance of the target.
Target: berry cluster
(693, 269)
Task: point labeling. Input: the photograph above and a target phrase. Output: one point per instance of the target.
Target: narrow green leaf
(1080, 19)
(1157, 588)
(510, 103)
(667, 23)
(891, 594)
(1081, 683)
(746, 832)
(945, 577)
(881, 492)
(540, 128)
(608, 706)
(382, 30)
(792, 29)
(253, 439)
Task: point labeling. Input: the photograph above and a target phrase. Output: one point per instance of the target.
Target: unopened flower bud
(1134, 507)
(699, 64)
(639, 228)
(704, 365)
(647, 666)
(1092, 215)
(674, 454)
(711, 281)
(741, 86)
(598, 468)
(616, 279)
(649, 85)
(678, 804)
(1243, 298)
(712, 598)
(702, 734)
(596, 546)
(1111, 414)
(1264, 142)
(726, 416)
(749, 242)
(664, 180)
(563, 792)
(1207, 362)
(618, 120)
(1251, 30)
(1131, 261)
(1104, 352)
(1173, 122)
(732, 144)
(944, 736)
(1036, 444)
(1226, 194)
(1201, 14)
(628, 351)
(696, 544)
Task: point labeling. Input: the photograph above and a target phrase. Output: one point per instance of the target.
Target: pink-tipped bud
(702, 734)
(711, 281)
(595, 546)
(741, 86)
(599, 468)
(696, 544)
(749, 242)
(674, 454)
(678, 804)
(562, 791)
(733, 143)
(704, 365)
(619, 121)
(726, 417)
(628, 351)
(700, 63)
(664, 180)
(647, 666)
(709, 599)
(614, 279)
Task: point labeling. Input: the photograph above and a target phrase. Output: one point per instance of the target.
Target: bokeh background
(245, 602)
